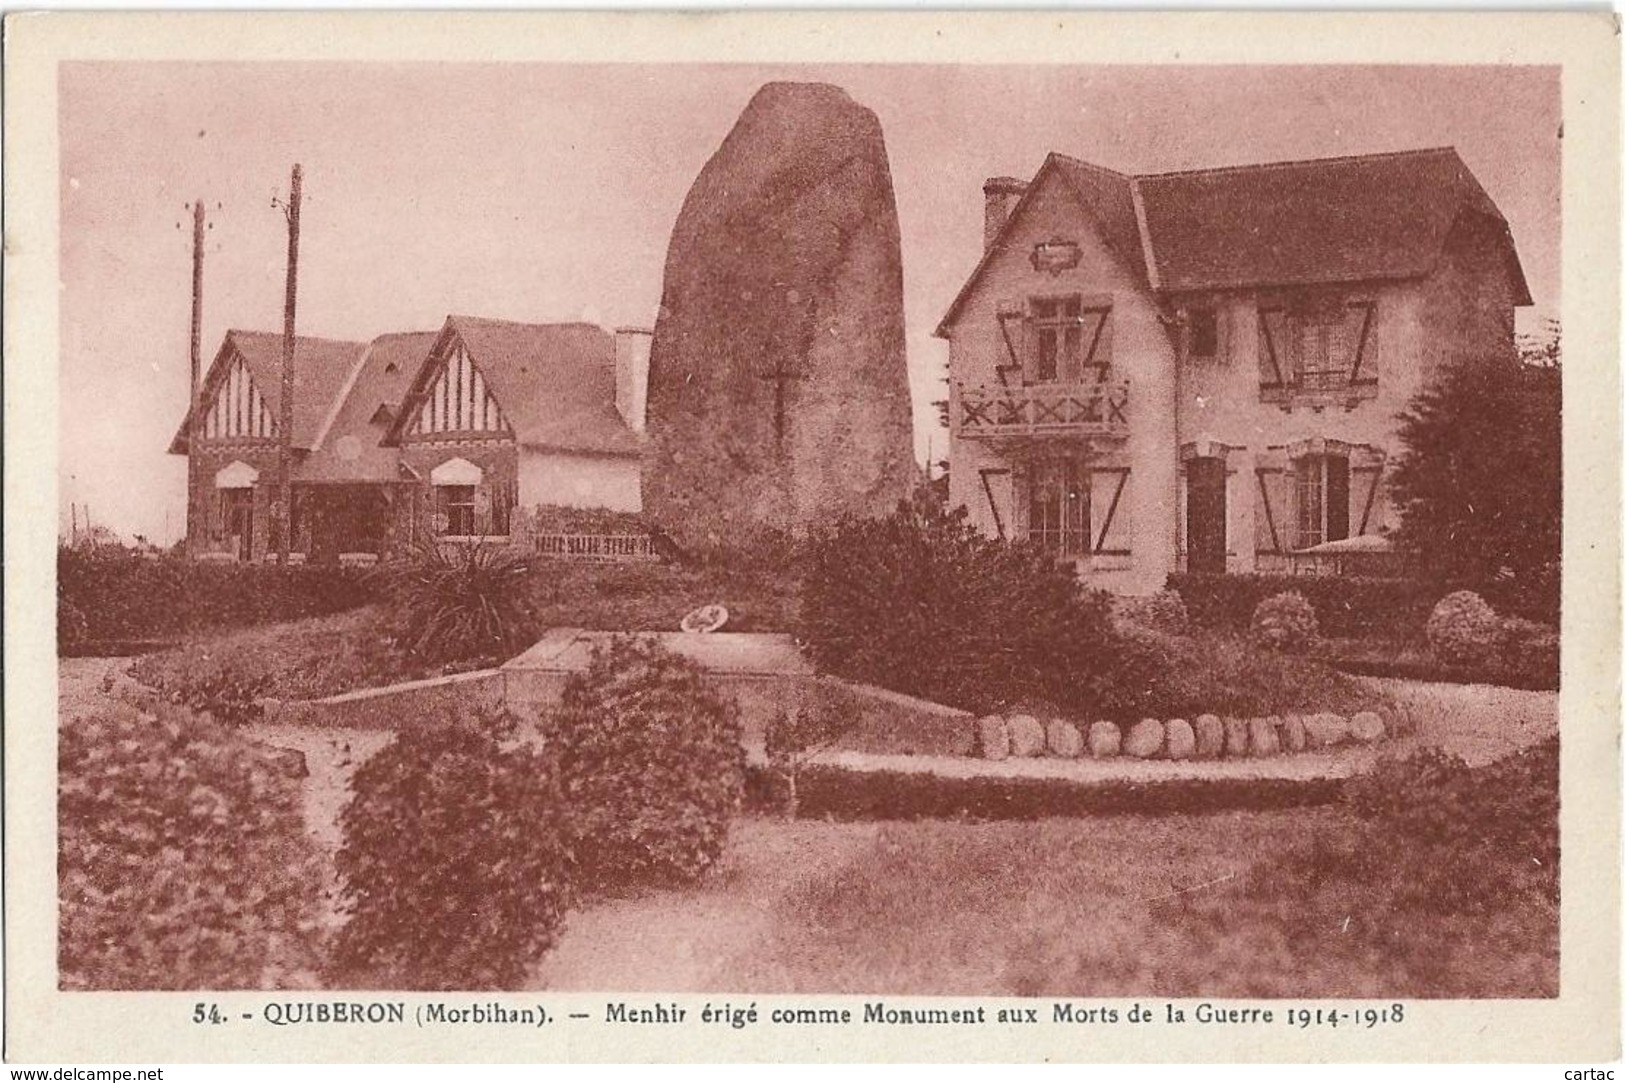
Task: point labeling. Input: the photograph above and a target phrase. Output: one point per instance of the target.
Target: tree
(1480, 485)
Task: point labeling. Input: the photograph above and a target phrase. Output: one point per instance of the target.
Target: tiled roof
(554, 382)
(321, 366)
(1327, 220)
(349, 447)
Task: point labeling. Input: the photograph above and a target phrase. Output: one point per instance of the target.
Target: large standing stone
(778, 382)
(1026, 735)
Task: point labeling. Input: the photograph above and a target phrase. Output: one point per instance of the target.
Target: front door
(239, 519)
(1204, 516)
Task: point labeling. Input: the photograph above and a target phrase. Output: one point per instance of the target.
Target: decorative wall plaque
(1055, 256)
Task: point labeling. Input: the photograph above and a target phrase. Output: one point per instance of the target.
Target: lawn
(1114, 906)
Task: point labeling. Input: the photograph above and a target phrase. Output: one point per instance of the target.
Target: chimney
(632, 374)
(1001, 194)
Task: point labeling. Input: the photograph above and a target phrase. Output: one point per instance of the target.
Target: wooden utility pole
(196, 409)
(285, 423)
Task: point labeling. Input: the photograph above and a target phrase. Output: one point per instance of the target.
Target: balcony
(1042, 412)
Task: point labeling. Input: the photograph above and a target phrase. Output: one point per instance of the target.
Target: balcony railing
(1043, 410)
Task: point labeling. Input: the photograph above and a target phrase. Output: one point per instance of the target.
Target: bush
(1167, 676)
(1346, 607)
(1163, 611)
(454, 865)
(455, 602)
(1463, 630)
(1285, 622)
(923, 603)
(1529, 653)
(651, 765)
(182, 858)
(129, 597)
(1429, 854)
(225, 674)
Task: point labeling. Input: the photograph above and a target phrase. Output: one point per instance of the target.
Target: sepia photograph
(902, 533)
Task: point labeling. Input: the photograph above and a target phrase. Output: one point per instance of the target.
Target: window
(1318, 346)
(1322, 499)
(1058, 507)
(1058, 334)
(1204, 332)
(456, 509)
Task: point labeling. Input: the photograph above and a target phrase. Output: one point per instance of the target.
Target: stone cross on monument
(779, 374)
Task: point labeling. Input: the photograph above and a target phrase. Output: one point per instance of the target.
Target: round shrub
(454, 865)
(1285, 622)
(1463, 630)
(651, 766)
(182, 858)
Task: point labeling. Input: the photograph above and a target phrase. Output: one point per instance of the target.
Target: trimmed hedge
(114, 595)
(182, 858)
(1347, 607)
(839, 793)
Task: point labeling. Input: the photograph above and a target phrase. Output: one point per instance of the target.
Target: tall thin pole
(195, 411)
(285, 446)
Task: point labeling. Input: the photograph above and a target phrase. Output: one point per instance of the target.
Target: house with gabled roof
(1201, 371)
(412, 437)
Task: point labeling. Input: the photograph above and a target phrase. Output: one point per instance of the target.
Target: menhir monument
(778, 381)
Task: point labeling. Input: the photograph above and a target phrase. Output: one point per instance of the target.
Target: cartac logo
(1589, 1073)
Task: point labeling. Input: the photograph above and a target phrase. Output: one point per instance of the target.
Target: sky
(547, 192)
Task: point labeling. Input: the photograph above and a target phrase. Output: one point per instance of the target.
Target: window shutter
(1012, 344)
(1109, 518)
(1365, 510)
(1273, 518)
(998, 489)
(1363, 330)
(1274, 348)
(1103, 347)
(1337, 498)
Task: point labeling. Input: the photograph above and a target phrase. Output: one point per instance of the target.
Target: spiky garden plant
(454, 602)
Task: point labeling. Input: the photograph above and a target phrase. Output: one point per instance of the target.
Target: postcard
(812, 536)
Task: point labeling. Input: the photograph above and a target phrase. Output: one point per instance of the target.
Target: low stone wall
(394, 706)
(1207, 736)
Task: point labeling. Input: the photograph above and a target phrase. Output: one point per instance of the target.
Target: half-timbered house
(1202, 370)
(412, 437)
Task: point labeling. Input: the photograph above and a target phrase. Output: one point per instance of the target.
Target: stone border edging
(1025, 736)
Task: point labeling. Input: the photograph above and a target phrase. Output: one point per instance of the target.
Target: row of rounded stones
(1208, 736)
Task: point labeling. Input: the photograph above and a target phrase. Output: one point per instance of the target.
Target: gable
(237, 410)
(456, 397)
(1085, 198)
